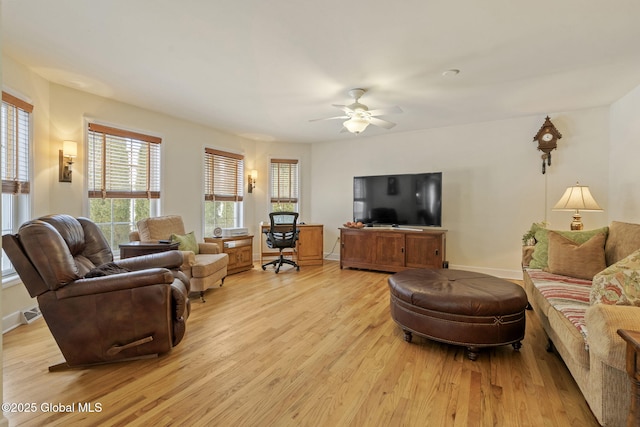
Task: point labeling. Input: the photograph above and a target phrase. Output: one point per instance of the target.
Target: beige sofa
(584, 332)
(203, 263)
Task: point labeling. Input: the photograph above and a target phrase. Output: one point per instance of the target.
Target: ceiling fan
(358, 116)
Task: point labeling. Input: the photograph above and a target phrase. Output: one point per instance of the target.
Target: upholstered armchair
(204, 263)
(99, 311)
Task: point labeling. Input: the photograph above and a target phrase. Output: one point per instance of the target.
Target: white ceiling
(263, 68)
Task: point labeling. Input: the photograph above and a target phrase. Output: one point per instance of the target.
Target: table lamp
(577, 198)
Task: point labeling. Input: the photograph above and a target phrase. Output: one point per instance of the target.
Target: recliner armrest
(115, 282)
(168, 259)
(180, 296)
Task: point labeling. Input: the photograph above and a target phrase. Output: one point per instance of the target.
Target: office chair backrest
(283, 231)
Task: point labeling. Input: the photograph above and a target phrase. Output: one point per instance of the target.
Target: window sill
(10, 280)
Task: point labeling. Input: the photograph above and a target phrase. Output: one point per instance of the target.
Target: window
(123, 179)
(223, 179)
(16, 142)
(284, 185)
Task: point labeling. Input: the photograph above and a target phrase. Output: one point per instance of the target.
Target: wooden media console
(392, 249)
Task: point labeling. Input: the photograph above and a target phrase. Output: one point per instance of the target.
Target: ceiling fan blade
(381, 123)
(385, 111)
(329, 118)
(344, 108)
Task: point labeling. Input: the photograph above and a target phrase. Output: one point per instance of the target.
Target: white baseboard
(498, 272)
(11, 322)
(18, 318)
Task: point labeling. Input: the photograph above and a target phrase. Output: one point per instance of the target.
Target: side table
(132, 249)
(632, 338)
(239, 249)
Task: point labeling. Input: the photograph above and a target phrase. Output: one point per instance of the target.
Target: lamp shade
(577, 197)
(356, 124)
(70, 148)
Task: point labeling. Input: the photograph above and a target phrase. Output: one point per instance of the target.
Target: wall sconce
(65, 160)
(253, 176)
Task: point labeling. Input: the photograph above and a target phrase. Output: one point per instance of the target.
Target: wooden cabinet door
(424, 250)
(390, 251)
(234, 259)
(310, 244)
(357, 248)
(245, 256)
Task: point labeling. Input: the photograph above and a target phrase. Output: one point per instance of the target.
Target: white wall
(624, 172)
(493, 188)
(182, 155)
(182, 152)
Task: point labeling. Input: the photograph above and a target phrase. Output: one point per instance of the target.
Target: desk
(309, 248)
(137, 248)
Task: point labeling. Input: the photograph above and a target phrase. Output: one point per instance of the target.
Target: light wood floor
(310, 348)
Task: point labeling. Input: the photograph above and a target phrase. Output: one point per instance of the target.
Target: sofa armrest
(603, 322)
(209, 248)
(168, 259)
(527, 255)
(188, 260)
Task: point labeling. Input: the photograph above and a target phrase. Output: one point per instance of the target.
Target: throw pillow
(618, 284)
(187, 242)
(572, 259)
(623, 239)
(540, 256)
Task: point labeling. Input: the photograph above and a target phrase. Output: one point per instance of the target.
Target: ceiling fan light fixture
(356, 124)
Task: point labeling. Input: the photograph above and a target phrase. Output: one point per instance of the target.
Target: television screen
(406, 199)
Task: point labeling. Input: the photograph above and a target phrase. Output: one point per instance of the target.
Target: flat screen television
(405, 199)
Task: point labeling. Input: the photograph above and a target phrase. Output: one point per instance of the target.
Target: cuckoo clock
(547, 138)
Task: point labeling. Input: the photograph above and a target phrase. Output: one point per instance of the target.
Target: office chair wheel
(297, 268)
(264, 267)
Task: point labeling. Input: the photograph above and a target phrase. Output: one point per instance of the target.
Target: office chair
(282, 234)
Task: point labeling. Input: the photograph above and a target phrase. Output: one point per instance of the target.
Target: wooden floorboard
(310, 348)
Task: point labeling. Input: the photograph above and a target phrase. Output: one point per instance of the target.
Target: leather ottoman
(458, 307)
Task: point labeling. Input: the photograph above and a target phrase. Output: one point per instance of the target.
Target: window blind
(284, 181)
(223, 176)
(123, 164)
(16, 115)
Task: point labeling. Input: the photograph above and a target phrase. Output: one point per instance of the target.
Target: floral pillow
(618, 284)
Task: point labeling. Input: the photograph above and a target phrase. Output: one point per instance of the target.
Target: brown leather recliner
(131, 308)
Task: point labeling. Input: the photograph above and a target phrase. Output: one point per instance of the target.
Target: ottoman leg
(472, 353)
(517, 345)
(408, 336)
